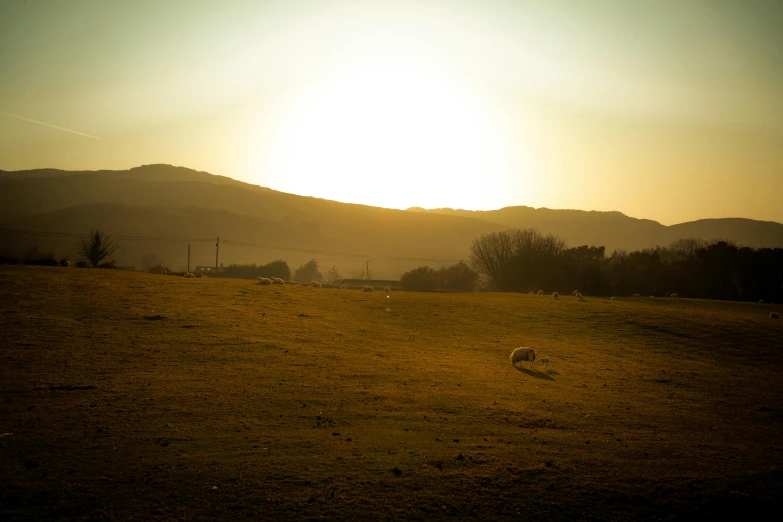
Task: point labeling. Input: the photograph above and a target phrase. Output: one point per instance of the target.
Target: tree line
(525, 260)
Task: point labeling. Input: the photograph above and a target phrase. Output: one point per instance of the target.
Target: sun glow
(389, 134)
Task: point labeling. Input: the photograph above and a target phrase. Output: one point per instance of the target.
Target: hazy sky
(668, 110)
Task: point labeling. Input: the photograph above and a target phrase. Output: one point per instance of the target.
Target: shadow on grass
(534, 373)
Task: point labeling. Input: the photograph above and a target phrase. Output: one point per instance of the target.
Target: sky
(669, 110)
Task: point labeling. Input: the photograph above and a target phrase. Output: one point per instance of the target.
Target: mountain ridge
(153, 198)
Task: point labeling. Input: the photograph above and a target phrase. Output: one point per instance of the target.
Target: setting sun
(392, 135)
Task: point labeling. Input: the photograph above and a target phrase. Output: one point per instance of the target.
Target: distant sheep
(540, 292)
(613, 299)
(761, 301)
(164, 271)
(580, 297)
(773, 315)
(531, 292)
(316, 284)
(277, 281)
(386, 289)
(674, 295)
(264, 281)
(367, 288)
(556, 295)
(545, 361)
(524, 354)
(636, 295)
(343, 286)
(575, 292)
(190, 275)
(204, 277)
(65, 263)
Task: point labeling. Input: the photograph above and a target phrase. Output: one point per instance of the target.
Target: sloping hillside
(176, 202)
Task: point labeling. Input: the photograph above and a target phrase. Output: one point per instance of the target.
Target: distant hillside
(616, 230)
(176, 202)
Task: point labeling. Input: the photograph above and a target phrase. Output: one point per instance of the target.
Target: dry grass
(146, 396)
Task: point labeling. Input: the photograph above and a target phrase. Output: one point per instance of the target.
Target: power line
(226, 241)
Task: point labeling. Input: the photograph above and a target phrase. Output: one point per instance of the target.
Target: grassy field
(136, 396)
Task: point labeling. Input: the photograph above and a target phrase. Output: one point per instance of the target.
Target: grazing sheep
(277, 281)
(613, 299)
(524, 354)
(316, 284)
(65, 264)
(343, 286)
(190, 275)
(575, 292)
(531, 292)
(264, 281)
(540, 292)
(367, 288)
(580, 297)
(636, 295)
(773, 315)
(545, 361)
(164, 272)
(674, 295)
(386, 289)
(556, 295)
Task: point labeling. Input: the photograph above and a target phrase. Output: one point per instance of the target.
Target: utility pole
(188, 257)
(367, 270)
(217, 249)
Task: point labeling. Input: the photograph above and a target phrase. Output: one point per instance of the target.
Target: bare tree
(333, 275)
(490, 253)
(686, 248)
(96, 247)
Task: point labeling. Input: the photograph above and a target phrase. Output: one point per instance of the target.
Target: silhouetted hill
(176, 202)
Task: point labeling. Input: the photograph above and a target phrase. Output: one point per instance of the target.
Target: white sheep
(343, 286)
(674, 295)
(773, 315)
(556, 295)
(545, 361)
(636, 295)
(613, 299)
(65, 264)
(316, 284)
(367, 288)
(386, 289)
(277, 281)
(575, 292)
(264, 281)
(524, 354)
(190, 275)
(164, 272)
(580, 297)
(531, 292)
(540, 292)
